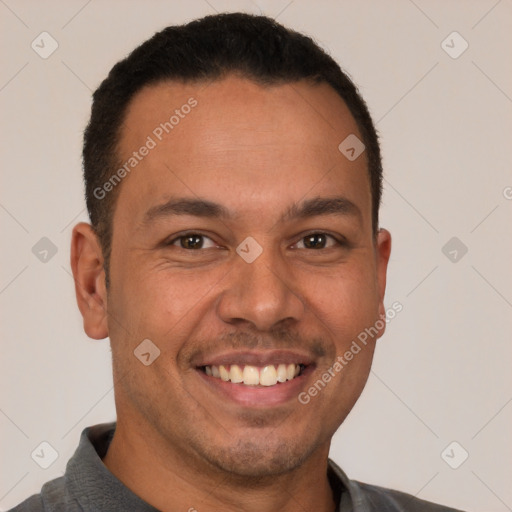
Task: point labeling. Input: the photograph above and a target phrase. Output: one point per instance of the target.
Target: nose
(261, 294)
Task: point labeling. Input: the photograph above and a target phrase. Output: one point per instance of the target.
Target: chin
(259, 460)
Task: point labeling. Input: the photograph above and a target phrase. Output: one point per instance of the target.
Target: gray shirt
(89, 486)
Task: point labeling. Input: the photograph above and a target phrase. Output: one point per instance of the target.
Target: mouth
(256, 379)
(250, 375)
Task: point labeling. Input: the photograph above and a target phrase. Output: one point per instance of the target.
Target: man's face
(261, 155)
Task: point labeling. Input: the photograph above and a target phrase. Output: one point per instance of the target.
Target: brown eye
(192, 241)
(317, 241)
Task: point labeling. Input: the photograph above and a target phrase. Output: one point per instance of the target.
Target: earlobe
(89, 275)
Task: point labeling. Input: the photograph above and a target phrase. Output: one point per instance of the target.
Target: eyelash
(339, 242)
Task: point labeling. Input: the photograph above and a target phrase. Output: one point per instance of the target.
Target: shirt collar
(96, 488)
(90, 481)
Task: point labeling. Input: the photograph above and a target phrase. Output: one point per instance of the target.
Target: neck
(167, 480)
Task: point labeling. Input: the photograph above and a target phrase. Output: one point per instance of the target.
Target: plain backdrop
(442, 371)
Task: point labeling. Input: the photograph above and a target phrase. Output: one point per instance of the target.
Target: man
(234, 257)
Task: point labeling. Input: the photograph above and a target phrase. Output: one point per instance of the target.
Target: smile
(256, 379)
(249, 375)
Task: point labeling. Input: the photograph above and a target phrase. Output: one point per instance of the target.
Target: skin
(255, 150)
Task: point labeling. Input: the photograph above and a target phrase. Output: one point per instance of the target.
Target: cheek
(346, 301)
(156, 300)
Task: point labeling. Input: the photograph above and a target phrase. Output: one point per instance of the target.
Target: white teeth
(224, 374)
(251, 376)
(281, 373)
(268, 375)
(235, 374)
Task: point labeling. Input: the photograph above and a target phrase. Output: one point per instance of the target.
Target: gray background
(441, 372)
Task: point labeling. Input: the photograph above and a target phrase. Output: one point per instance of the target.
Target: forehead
(239, 143)
(239, 108)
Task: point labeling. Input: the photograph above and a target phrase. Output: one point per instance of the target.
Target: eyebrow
(322, 206)
(208, 209)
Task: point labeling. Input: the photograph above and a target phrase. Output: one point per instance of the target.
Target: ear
(383, 251)
(89, 276)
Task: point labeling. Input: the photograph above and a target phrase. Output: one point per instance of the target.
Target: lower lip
(259, 396)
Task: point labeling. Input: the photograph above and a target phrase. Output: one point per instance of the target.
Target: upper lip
(255, 358)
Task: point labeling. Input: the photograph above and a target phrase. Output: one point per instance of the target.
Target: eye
(193, 241)
(317, 241)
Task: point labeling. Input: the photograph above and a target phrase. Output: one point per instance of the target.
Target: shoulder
(84, 473)
(32, 504)
(361, 497)
(54, 497)
(395, 501)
